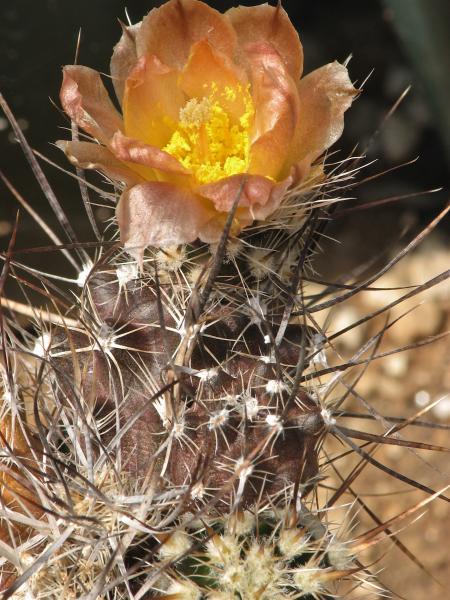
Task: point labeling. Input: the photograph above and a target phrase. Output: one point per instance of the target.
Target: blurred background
(398, 43)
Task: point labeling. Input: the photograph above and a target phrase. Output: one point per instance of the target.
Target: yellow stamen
(210, 139)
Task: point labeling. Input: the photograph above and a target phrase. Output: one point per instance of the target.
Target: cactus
(166, 431)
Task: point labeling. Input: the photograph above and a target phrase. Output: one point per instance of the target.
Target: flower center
(212, 136)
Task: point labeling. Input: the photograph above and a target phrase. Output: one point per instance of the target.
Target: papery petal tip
(87, 102)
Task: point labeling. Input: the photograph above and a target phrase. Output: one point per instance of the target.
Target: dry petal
(93, 156)
(159, 214)
(212, 230)
(86, 101)
(324, 95)
(261, 195)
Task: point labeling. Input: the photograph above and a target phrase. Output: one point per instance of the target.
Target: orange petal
(130, 150)
(260, 195)
(205, 66)
(276, 102)
(124, 58)
(93, 156)
(171, 30)
(271, 24)
(152, 101)
(325, 94)
(159, 214)
(86, 101)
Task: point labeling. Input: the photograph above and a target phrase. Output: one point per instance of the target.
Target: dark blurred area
(37, 38)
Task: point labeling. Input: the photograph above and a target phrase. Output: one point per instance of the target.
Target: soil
(401, 385)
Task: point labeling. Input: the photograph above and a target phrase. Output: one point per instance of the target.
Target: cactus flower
(213, 105)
